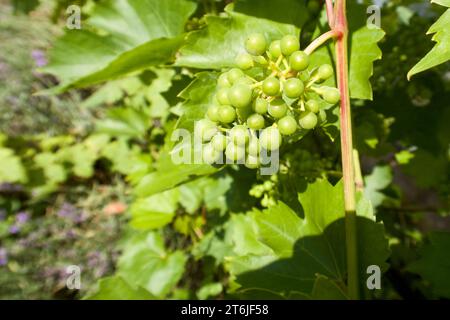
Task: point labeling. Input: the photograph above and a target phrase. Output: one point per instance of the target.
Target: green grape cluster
(272, 94)
(266, 191)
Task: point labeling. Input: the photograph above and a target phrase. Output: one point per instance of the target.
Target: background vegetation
(86, 177)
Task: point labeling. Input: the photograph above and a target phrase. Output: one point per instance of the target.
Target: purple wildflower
(3, 257)
(14, 229)
(39, 58)
(22, 218)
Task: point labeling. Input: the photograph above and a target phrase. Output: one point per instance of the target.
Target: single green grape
(325, 72)
(210, 155)
(227, 114)
(322, 116)
(219, 142)
(205, 129)
(213, 113)
(244, 61)
(275, 49)
(268, 185)
(271, 86)
(293, 88)
(261, 106)
(256, 44)
(289, 44)
(308, 120)
(299, 61)
(234, 152)
(222, 96)
(253, 146)
(312, 105)
(240, 95)
(256, 122)
(278, 108)
(223, 80)
(331, 95)
(287, 125)
(234, 75)
(252, 162)
(244, 80)
(270, 139)
(239, 135)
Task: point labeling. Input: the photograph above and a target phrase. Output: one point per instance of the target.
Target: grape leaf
(116, 288)
(155, 211)
(217, 45)
(304, 247)
(135, 34)
(146, 263)
(441, 51)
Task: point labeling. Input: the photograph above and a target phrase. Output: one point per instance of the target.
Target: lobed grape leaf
(116, 288)
(217, 45)
(298, 249)
(441, 35)
(146, 263)
(133, 35)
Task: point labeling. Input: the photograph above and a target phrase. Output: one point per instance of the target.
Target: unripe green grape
(244, 61)
(265, 202)
(219, 142)
(205, 129)
(213, 113)
(268, 185)
(331, 95)
(312, 105)
(308, 120)
(261, 106)
(289, 44)
(256, 44)
(239, 135)
(287, 125)
(210, 155)
(275, 49)
(240, 95)
(293, 88)
(234, 152)
(278, 108)
(256, 122)
(252, 162)
(270, 139)
(234, 75)
(223, 80)
(227, 114)
(299, 61)
(253, 147)
(322, 116)
(325, 72)
(244, 80)
(222, 96)
(271, 86)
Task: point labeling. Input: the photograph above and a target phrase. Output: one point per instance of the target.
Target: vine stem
(348, 165)
(321, 40)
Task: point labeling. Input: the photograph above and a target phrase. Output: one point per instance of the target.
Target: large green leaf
(155, 211)
(217, 45)
(115, 288)
(302, 248)
(11, 169)
(134, 34)
(441, 35)
(146, 263)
